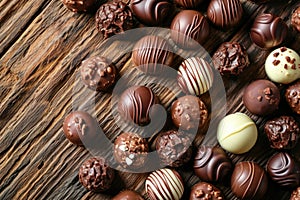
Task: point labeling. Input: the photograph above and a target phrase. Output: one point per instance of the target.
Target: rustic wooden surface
(41, 47)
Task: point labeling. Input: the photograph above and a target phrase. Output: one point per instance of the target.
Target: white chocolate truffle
(283, 65)
(237, 133)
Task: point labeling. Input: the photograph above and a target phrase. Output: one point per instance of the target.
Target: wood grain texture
(41, 47)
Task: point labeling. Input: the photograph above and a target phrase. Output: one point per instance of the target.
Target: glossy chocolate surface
(296, 19)
(80, 5)
(292, 96)
(128, 195)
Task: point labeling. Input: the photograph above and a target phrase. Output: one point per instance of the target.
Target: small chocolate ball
(80, 5)
(292, 96)
(295, 194)
(128, 195)
(296, 19)
(205, 191)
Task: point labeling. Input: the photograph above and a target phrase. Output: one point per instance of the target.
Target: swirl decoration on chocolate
(292, 96)
(189, 3)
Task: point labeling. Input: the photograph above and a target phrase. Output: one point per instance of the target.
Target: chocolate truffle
(174, 148)
(249, 181)
(128, 195)
(189, 3)
(225, 13)
(283, 65)
(96, 175)
(231, 58)
(283, 170)
(135, 104)
(80, 5)
(295, 194)
(237, 133)
(151, 54)
(152, 12)
(188, 28)
(130, 150)
(113, 18)
(164, 184)
(268, 31)
(261, 97)
(97, 73)
(212, 164)
(205, 191)
(283, 132)
(292, 96)
(189, 113)
(296, 19)
(80, 126)
(195, 76)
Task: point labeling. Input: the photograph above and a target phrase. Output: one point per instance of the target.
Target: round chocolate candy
(128, 195)
(249, 181)
(268, 31)
(195, 76)
(296, 19)
(295, 194)
(189, 113)
(96, 175)
(131, 150)
(188, 28)
(225, 13)
(80, 5)
(283, 65)
(261, 97)
(135, 104)
(189, 3)
(212, 164)
(283, 170)
(283, 132)
(237, 133)
(80, 126)
(205, 191)
(292, 96)
(231, 58)
(164, 184)
(113, 18)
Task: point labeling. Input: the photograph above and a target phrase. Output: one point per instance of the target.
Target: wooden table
(41, 47)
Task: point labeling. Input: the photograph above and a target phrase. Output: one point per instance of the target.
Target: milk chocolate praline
(292, 96)
(205, 191)
(128, 195)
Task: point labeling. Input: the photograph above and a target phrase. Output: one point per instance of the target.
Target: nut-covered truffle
(295, 194)
(80, 5)
(96, 175)
(292, 96)
(296, 19)
(205, 191)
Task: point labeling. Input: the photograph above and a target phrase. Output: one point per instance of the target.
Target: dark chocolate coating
(261, 97)
(296, 19)
(212, 164)
(225, 13)
(283, 132)
(268, 31)
(292, 96)
(249, 181)
(96, 175)
(189, 26)
(128, 195)
(80, 5)
(283, 170)
(189, 3)
(295, 194)
(205, 191)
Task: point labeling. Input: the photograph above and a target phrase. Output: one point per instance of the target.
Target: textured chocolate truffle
(231, 58)
(225, 13)
(128, 195)
(164, 184)
(268, 31)
(130, 150)
(96, 175)
(80, 126)
(189, 26)
(174, 148)
(296, 19)
(205, 191)
(135, 104)
(151, 53)
(249, 181)
(80, 5)
(283, 170)
(292, 96)
(283, 132)
(212, 164)
(261, 97)
(113, 18)
(189, 3)
(295, 194)
(189, 113)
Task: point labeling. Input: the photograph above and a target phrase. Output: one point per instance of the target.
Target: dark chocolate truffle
(231, 58)
(189, 3)
(283, 132)
(225, 13)
(249, 181)
(151, 53)
(97, 73)
(80, 126)
(205, 191)
(174, 148)
(130, 150)
(189, 26)
(283, 170)
(212, 164)
(292, 96)
(295, 194)
(189, 113)
(268, 31)
(113, 18)
(96, 175)
(296, 19)
(80, 5)
(128, 195)
(261, 97)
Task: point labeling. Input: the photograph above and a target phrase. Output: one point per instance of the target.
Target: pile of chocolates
(236, 133)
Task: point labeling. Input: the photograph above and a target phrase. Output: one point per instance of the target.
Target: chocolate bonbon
(189, 3)
(80, 5)
(205, 191)
(128, 195)
(296, 19)
(292, 96)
